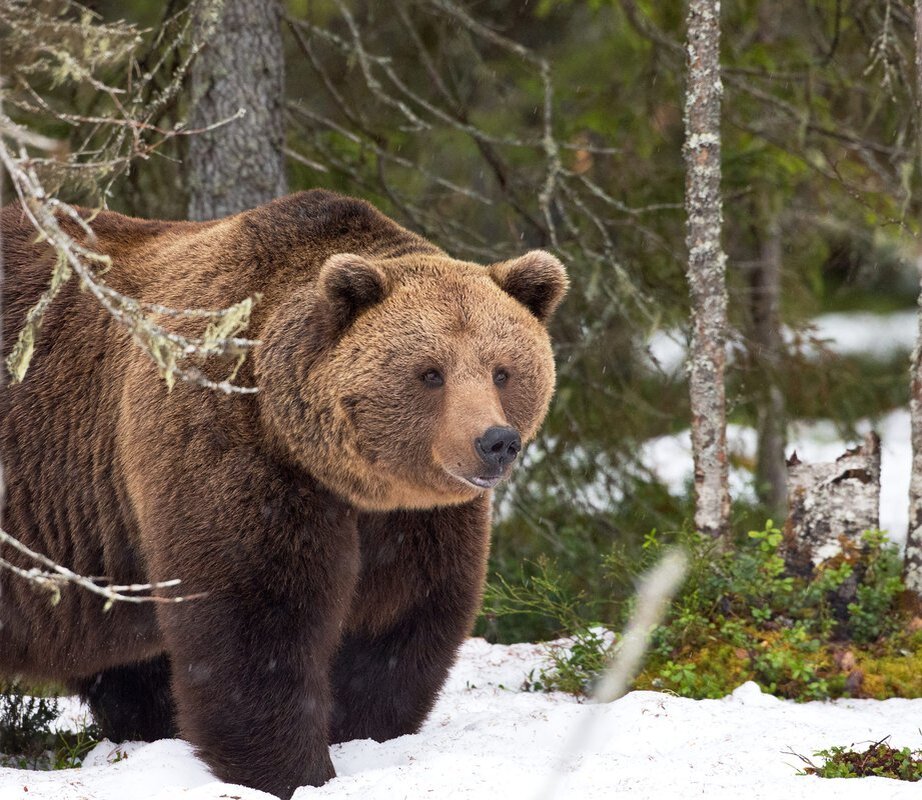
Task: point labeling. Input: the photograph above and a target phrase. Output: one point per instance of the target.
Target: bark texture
(912, 565)
(2, 388)
(765, 293)
(831, 505)
(241, 66)
(706, 268)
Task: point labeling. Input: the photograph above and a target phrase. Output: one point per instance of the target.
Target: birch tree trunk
(832, 505)
(241, 164)
(706, 268)
(912, 565)
(2, 389)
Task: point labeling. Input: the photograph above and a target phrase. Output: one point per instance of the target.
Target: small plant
(27, 740)
(74, 745)
(870, 614)
(25, 725)
(541, 591)
(878, 760)
(573, 667)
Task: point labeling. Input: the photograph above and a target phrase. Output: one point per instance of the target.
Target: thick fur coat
(336, 523)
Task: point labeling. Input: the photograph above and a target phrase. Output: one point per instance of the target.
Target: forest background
(496, 127)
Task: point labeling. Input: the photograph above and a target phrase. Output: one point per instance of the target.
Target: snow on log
(831, 504)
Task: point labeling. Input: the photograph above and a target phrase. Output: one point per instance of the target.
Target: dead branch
(52, 576)
(128, 132)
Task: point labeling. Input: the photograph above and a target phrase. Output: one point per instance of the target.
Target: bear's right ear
(348, 284)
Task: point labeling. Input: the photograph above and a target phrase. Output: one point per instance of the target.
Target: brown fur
(329, 520)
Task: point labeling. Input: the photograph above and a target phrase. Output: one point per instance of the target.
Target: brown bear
(336, 523)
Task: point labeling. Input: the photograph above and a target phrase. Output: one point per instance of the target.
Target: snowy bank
(486, 738)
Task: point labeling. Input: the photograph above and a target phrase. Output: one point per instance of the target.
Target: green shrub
(740, 616)
(573, 667)
(72, 746)
(25, 732)
(27, 740)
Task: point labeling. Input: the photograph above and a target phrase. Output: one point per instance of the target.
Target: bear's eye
(500, 376)
(433, 378)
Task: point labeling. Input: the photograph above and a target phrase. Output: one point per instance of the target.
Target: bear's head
(412, 382)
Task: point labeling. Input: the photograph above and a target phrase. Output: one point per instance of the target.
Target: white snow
(863, 332)
(486, 739)
(846, 333)
(670, 459)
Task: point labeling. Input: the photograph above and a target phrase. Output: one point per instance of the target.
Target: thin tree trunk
(912, 565)
(706, 268)
(238, 165)
(3, 388)
(765, 294)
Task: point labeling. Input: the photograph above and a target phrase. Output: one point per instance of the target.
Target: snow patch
(749, 694)
(487, 738)
(670, 459)
(852, 333)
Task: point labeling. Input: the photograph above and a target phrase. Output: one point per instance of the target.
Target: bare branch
(562, 208)
(54, 576)
(128, 133)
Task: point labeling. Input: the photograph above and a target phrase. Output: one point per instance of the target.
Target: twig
(60, 575)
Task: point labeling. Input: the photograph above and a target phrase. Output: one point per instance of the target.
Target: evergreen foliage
(28, 739)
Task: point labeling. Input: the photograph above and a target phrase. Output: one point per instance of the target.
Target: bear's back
(59, 427)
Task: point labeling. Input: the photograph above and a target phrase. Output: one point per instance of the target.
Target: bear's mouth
(478, 481)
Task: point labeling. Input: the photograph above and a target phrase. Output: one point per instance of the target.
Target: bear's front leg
(418, 595)
(251, 658)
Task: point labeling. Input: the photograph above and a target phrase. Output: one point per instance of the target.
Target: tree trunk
(706, 268)
(912, 565)
(765, 293)
(240, 164)
(3, 388)
(832, 505)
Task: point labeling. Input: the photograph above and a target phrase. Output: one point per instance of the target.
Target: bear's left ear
(349, 284)
(537, 280)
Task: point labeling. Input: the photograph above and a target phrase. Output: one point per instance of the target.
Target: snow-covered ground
(486, 739)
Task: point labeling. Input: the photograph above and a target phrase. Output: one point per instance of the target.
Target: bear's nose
(499, 446)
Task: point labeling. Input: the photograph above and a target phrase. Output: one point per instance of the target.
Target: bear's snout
(498, 446)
